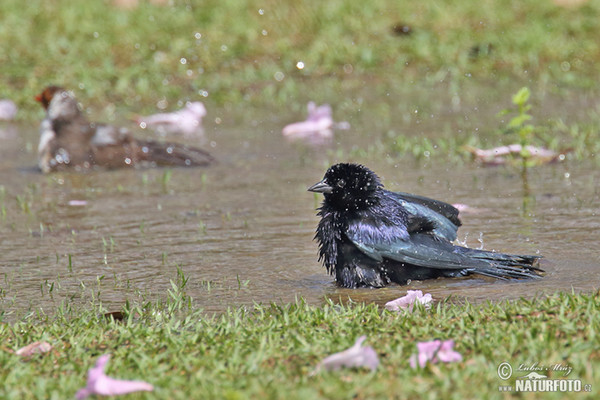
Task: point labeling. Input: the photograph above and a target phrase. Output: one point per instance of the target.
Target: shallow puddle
(242, 231)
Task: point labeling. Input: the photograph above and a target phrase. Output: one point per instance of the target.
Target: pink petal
(100, 384)
(318, 124)
(495, 156)
(355, 356)
(34, 348)
(435, 351)
(8, 110)
(187, 120)
(407, 302)
(107, 386)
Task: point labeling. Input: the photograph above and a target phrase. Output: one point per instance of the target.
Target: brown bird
(68, 140)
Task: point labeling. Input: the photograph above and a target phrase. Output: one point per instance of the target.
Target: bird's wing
(425, 214)
(420, 249)
(107, 135)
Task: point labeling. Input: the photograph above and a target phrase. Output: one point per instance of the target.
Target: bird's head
(348, 187)
(58, 102)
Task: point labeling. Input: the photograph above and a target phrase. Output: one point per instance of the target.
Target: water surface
(242, 231)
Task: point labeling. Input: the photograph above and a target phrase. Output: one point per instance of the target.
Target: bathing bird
(370, 237)
(68, 140)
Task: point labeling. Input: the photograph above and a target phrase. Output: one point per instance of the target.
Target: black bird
(370, 236)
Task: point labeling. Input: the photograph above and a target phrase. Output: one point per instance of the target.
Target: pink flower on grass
(434, 352)
(355, 356)
(408, 302)
(188, 120)
(100, 384)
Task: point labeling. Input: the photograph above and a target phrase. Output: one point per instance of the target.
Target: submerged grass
(271, 351)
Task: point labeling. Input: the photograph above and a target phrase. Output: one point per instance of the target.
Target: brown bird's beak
(321, 187)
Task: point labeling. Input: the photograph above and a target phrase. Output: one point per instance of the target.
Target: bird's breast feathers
(46, 135)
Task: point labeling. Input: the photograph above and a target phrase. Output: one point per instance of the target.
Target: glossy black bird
(370, 236)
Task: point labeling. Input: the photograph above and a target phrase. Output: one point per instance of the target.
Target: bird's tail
(173, 154)
(504, 266)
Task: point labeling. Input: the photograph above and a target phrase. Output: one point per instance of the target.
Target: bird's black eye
(341, 183)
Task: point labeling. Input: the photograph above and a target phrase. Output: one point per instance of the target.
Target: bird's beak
(320, 187)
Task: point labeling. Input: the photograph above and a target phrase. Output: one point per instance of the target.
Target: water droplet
(217, 120)
(203, 93)
(565, 66)
(170, 149)
(279, 76)
(162, 104)
(145, 149)
(348, 68)
(183, 61)
(224, 47)
(143, 125)
(300, 65)
(213, 144)
(189, 72)
(264, 32)
(561, 157)
(127, 160)
(261, 11)
(567, 175)
(96, 35)
(198, 35)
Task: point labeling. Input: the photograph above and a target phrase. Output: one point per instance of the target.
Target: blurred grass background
(248, 51)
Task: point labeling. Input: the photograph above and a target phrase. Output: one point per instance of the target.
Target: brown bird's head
(46, 96)
(59, 103)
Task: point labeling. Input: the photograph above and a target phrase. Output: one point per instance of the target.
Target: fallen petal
(434, 351)
(187, 121)
(34, 348)
(495, 156)
(100, 384)
(8, 110)
(447, 354)
(408, 302)
(355, 356)
(318, 125)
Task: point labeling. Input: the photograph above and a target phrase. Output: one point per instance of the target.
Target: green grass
(271, 351)
(228, 53)
(231, 50)
(238, 57)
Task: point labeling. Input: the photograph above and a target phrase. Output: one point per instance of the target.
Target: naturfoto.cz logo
(535, 378)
